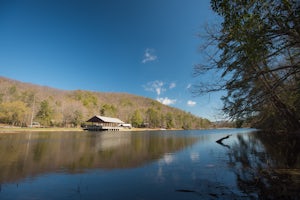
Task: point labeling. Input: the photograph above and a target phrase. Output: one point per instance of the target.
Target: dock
(101, 128)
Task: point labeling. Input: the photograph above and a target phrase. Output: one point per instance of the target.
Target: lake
(149, 165)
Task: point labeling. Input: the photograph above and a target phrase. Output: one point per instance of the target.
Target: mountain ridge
(23, 102)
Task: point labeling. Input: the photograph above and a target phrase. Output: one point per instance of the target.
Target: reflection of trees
(23, 155)
(267, 166)
(286, 149)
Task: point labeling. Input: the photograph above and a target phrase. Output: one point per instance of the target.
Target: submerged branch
(220, 141)
(223, 138)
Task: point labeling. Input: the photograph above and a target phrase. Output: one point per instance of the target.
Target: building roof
(102, 119)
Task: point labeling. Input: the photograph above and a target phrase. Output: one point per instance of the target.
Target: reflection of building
(108, 141)
(101, 123)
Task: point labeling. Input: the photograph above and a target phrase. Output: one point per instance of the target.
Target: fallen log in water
(223, 138)
(220, 141)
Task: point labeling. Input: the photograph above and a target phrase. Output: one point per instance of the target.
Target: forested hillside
(22, 103)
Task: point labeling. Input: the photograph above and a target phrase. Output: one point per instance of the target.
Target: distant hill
(21, 103)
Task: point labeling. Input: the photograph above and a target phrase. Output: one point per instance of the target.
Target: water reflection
(194, 156)
(267, 166)
(27, 155)
(150, 165)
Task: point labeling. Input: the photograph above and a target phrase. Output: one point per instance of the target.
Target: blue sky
(142, 47)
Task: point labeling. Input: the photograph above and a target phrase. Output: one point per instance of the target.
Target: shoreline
(8, 129)
(28, 129)
(57, 129)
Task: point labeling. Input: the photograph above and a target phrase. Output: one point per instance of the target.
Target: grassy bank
(27, 129)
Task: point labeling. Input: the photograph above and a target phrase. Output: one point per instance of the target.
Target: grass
(28, 129)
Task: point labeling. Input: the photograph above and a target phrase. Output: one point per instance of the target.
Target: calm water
(149, 165)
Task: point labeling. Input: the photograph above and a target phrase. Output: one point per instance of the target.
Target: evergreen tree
(169, 120)
(137, 119)
(45, 113)
(153, 118)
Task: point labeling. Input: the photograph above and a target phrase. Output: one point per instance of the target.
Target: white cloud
(155, 86)
(194, 156)
(149, 56)
(159, 87)
(188, 86)
(168, 158)
(172, 85)
(191, 103)
(166, 101)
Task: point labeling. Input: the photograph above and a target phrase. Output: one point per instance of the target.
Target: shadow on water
(267, 166)
(264, 166)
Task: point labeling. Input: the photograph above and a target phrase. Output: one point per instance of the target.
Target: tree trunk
(290, 116)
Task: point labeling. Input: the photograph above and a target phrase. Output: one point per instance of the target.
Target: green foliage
(88, 99)
(136, 119)
(126, 102)
(152, 117)
(169, 120)
(45, 113)
(1, 97)
(257, 59)
(14, 113)
(27, 97)
(108, 110)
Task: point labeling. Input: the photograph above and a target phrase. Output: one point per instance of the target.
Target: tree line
(22, 104)
(255, 52)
